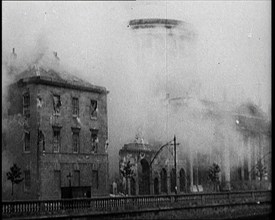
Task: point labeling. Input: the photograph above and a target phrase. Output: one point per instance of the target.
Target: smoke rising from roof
(93, 42)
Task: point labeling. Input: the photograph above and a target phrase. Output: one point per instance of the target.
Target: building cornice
(48, 81)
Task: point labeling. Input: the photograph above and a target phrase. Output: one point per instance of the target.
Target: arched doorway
(172, 180)
(133, 186)
(182, 181)
(144, 186)
(156, 186)
(163, 177)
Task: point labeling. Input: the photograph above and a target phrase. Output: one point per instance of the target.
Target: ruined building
(56, 131)
(239, 141)
(209, 129)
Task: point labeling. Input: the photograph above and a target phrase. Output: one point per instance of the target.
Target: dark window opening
(27, 179)
(172, 180)
(26, 105)
(156, 186)
(144, 184)
(163, 178)
(94, 140)
(95, 179)
(41, 140)
(93, 108)
(27, 139)
(75, 106)
(56, 104)
(76, 141)
(56, 139)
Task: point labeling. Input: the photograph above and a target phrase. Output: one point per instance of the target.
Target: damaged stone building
(239, 141)
(56, 131)
(153, 173)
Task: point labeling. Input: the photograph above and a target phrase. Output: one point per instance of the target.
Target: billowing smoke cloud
(94, 43)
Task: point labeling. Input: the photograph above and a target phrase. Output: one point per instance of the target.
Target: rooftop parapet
(154, 22)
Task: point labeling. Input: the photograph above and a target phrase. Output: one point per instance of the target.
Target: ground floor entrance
(76, 192)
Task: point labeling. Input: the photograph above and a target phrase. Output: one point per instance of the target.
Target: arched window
(144, 186)
(156, 186)
(163, 176)
(172, 180)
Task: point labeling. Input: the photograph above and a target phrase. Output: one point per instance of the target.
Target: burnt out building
(237, 139)
(153, 170)
(56, 131)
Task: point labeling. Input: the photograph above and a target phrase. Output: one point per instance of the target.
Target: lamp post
(175, 158)
(175, 164)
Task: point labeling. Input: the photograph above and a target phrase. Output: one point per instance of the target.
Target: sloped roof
(47, 74)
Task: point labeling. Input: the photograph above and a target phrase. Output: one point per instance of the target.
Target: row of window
(57, 179)
(57, 105)
(57, 140)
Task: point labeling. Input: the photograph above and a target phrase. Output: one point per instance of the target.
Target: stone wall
(41, 160)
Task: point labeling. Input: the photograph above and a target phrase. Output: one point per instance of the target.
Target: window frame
(29, 142)
(58, 141)
(94, 141)
(93, 113)
(54, 107)
(75, 106)
(26, 104)
(76, 131)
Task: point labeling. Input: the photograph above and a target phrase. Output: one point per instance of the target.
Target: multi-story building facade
(56, 131)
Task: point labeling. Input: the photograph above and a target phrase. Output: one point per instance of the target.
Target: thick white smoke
(93, 42)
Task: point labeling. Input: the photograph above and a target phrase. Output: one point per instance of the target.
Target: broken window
(27, 178)
(56, 104)
(76, 141)
(94, 140)
(27, 141)
(56, 139)
(39, 102)
(93, 108)
(26, 104)
(75, 106)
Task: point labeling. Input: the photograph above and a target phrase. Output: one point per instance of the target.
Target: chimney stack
(13, 54)
(12, 62)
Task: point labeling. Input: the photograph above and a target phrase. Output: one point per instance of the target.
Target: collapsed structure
(55, 129)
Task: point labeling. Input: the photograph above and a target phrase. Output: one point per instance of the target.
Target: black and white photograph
(136, 109)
